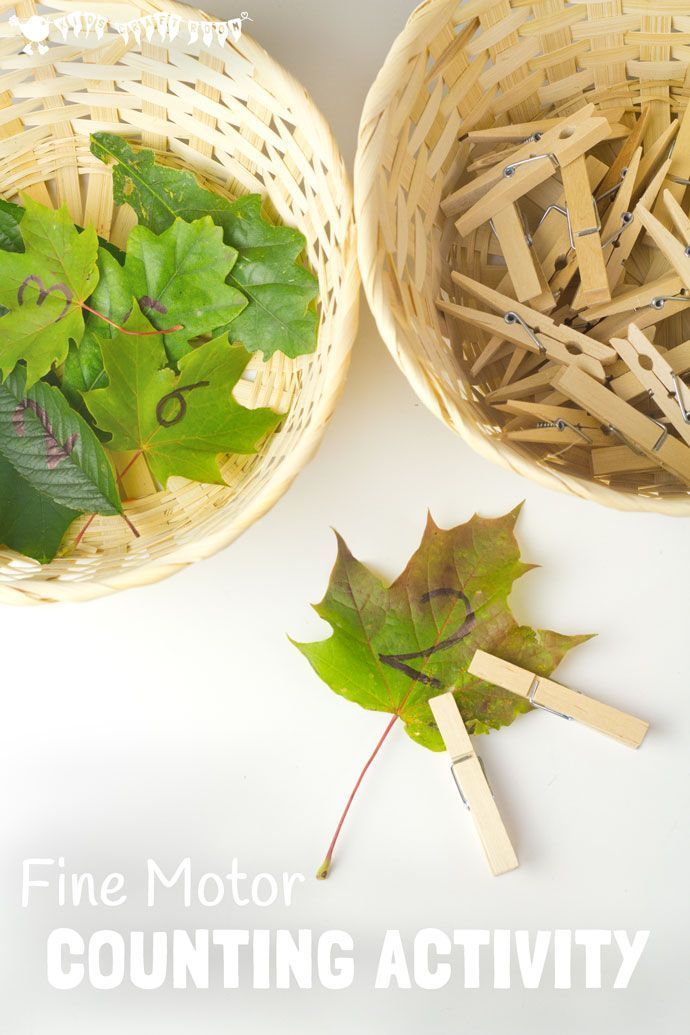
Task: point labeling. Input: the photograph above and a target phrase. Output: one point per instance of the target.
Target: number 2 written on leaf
(398, 661)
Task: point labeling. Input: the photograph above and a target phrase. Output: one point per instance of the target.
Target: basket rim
(41, 588)
(368, 160)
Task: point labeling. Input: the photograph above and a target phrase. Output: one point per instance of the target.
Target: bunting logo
(37, 31)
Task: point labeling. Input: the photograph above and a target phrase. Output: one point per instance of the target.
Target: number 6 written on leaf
(178, 397)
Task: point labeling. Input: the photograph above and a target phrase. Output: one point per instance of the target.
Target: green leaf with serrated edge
(280, 315)
(180, 422)
(84, 370)
(11, 216)
(30, 523)
(42, 289)
(53, 448)
(178, 277)
(394, 647)
(10, 235)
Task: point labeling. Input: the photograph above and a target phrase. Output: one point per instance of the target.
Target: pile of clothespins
(570, 292)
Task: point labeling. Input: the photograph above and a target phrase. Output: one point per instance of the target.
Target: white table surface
(177, 720)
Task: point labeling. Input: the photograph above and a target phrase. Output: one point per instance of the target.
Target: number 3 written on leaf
(398, 661)
(44, 292)
(177, 397)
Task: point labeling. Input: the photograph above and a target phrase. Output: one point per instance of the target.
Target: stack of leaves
(394, 647)
(135, 352)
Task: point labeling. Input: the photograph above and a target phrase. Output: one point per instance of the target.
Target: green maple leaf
(83, 370)
(11, 240)
(280, 315)
(181, 423)
(394, 647)
(52, 468)
(30, 522)
(41, 289)
(180, 276)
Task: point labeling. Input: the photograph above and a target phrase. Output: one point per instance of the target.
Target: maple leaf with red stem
(394, 647)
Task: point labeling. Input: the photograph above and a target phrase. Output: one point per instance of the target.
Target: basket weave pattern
(241, 124)
(472, 65)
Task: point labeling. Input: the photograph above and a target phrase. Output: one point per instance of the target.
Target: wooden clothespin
(611, 460)
(574, 346)
(616, 173)
(524, 268)
(547, 694)
(677, 175)
(473, 786)
(651, 304)
(555, 425)
(615, 267)
(627, 386)
(527, 168)
(552, 237)
(527, 387)
(516, 132)
(679, 218)
(619, 221)
(522, 333)
(615, 224)
(677, 254)
(655, 155)
(585, 232)
(656, 375)
(634, 428)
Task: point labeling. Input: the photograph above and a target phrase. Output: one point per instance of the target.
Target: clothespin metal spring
(660, 300)
(456, 778)
(626, 221)
(562, 425)
(631, 445)
(612, 190)
(535, 704)
(509, 170)
(680, 399)
(512, 317)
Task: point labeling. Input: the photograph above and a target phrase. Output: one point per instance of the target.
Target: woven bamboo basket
(472, 65)
(242, 124)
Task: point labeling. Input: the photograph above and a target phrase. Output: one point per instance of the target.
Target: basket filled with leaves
(178, 297)
(523, 210)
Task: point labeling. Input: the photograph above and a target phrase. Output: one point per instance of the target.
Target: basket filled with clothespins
(522, 198)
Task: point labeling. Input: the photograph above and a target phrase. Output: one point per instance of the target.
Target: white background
(178, 720)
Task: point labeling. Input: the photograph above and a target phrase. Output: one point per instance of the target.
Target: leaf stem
(132, 527)
(123, 330)
(131, 464)
(87, 525)
(325, 866)
(84, 530)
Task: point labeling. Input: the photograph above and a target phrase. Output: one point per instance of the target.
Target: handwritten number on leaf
(398, 661)
(44, 292)
(177, 396)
